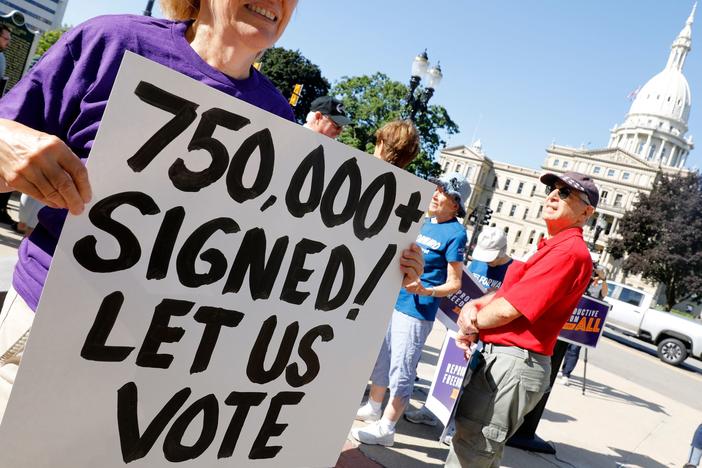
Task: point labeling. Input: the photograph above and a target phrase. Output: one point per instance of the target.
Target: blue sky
(518, 74)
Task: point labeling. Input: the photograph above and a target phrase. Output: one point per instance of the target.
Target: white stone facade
(650, 142)
(41, 15)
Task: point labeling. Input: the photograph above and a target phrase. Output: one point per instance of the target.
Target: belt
(516, 351)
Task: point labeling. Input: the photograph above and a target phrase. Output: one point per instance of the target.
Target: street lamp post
(600, 226)
(417, 99)
(149, 7)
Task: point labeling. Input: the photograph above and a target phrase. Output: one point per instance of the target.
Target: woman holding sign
(443, 240)
(49, 120)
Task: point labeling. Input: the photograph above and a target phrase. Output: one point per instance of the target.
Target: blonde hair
(400, 142)
(180, 10)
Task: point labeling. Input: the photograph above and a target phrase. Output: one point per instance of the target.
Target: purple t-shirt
(66, 93)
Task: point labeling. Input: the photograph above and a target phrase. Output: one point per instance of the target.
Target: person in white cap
(442, 240)
(489, 265)
(489, 259)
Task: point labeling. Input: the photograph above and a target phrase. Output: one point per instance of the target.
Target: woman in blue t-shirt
(442, 239)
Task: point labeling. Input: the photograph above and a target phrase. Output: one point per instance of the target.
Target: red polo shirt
(545, 290)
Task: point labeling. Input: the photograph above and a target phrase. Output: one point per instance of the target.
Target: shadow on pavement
(430, 355)
(557, 417)
(391, 457)
(599, 390)
(577, 456)
(572, 456)
(352, 457)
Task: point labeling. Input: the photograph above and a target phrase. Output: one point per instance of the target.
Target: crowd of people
(48, 123)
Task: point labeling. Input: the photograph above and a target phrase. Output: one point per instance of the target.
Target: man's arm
(497, 313)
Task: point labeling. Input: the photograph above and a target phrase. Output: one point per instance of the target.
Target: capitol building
(651, 141)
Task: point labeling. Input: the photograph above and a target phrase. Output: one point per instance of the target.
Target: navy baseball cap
(578, 181)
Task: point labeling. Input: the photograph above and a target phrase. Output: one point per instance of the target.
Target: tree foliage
(371, 101)
(661, 237)
(286, 68)
(48, 39)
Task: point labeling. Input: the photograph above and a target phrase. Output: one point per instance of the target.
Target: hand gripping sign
(222, 300)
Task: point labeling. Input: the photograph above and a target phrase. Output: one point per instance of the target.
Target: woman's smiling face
(256, 24)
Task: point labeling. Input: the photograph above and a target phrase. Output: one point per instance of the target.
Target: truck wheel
(672, 351)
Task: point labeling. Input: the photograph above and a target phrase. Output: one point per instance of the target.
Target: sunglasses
(564, 193)
(336, 125)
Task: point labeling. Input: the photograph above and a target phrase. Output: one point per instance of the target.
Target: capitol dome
(655, 127)
(666, 95)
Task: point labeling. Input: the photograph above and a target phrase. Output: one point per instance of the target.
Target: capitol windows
(618, 200)
(458, 168)
(641, 147)
(494, 182)
(541, 208)
(596, 170)
(507, 182)
(531, 237)
(565, 164)
(533, 190)
(445, 166)
(604, 195)
(517, 236)
(611, 173)
(526, 213)
(651, 152)
(513, 210)
(499, 207)
(520, 187)
(556, 163)
(626, 176)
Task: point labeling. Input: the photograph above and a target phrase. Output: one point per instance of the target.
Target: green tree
(286, 68)
(48, 39)
(371, 101)
(661, 236)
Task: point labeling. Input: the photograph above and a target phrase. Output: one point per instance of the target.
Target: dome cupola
(656, 124)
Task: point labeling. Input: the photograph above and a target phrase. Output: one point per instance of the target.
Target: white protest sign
(223, 298)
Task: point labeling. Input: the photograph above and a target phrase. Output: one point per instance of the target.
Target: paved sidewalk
(616, 423)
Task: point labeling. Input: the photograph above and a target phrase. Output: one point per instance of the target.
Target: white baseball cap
(492, 244)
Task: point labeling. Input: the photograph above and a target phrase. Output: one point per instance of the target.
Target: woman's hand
(43, 167)
(412, 267)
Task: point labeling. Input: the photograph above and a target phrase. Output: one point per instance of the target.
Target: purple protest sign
(585, 325)
(450, 306)
(448, 377)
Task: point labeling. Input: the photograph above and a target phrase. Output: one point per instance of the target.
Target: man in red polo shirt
(519, 325)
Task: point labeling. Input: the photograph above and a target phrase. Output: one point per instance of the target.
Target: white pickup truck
(675, 336)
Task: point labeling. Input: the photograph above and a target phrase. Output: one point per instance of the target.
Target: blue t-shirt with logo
(489, 277)
(441, 244)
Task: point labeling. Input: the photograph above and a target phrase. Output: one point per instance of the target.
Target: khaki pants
(495, 400)
(15, 322)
